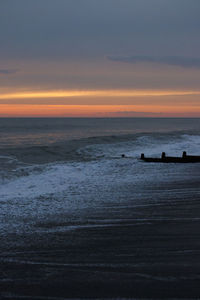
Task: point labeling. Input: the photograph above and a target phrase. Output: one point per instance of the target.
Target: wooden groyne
(172, 159)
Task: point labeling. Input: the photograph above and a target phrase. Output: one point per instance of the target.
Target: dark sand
(152, 252)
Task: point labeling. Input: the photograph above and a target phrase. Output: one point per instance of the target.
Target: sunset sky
(100, 58)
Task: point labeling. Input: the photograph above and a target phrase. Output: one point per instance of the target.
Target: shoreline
(152, 252)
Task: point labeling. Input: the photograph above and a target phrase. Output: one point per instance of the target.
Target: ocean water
(52, 166)
(66, 176)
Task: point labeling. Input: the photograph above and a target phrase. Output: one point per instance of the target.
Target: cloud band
(181, 61)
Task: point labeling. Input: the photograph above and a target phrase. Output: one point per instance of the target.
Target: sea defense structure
(172, 159)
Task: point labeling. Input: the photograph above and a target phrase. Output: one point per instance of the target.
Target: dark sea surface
(79, 221)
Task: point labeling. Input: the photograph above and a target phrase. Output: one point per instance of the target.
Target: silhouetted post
(142, 156)
(184, 154)
(163, 155)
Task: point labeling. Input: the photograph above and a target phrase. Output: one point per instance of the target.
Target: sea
(77, 205)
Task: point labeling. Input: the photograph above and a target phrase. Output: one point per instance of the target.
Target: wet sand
(148, 251)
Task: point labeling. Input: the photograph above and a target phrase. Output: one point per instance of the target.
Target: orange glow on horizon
(23, 110)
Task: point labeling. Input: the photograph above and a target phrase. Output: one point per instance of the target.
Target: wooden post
(184, 154)
(163, 155)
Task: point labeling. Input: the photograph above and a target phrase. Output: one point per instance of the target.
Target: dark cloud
(186, 62)
(8, 71)
(68, 28)
(130, 114)
(136, 113)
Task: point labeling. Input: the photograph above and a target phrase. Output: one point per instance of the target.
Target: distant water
(24, 132)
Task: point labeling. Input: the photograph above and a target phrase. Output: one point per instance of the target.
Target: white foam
(52, 180)
(149, 144)
(68, 187)
(57, 178)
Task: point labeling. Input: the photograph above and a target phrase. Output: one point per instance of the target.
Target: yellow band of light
(96, 93)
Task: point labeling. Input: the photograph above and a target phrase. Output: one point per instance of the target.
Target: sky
(99, 58)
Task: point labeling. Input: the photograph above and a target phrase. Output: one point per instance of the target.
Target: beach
(141, 252)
